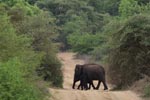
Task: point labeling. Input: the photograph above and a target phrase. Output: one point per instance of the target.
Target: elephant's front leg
(73, 86)
(98, 85)
(79, 85)
(84, 84)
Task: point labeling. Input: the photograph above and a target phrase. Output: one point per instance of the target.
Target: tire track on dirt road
(67, 93)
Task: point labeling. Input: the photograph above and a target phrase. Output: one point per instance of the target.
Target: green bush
(42, 29)
(18, 62)
(12, 84)
(13, 45)
(50, 70)
(36, 34)
(147, 91)
(84, 43)
(129, 56)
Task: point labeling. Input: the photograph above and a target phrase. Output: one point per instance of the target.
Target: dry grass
(140, 87)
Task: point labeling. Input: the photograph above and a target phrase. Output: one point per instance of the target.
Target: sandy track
(67, 93)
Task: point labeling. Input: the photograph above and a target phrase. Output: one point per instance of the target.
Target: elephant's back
(94, 67)
(94, 71)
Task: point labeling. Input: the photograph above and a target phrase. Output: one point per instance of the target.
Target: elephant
(78, 76)
(85, 83)
(86, 73)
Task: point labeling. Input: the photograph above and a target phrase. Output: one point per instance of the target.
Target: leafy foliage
(14, 73)
(25, 6)
(131, 7)
(42, 29)
(106, 6)
(78, 17)
(130, 52)
(84, 43)
(13, 45)
(128, 7)
(12, 84)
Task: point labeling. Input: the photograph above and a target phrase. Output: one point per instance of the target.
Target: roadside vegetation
(27, 53)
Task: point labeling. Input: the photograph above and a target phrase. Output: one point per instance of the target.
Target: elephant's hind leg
(105, 86)
(98, 85)
(79, 86)
(93, 85)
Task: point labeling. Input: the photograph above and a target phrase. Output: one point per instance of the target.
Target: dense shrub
(50, 70)
(18, 62)
(84, 43)
(43, 30)
(12, 84)
(35, 31)
(13, 45)
(129, 56)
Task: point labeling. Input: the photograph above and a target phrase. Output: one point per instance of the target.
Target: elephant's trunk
(73, 85)
(74, 82)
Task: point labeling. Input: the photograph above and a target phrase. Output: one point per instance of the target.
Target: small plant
(147, 91)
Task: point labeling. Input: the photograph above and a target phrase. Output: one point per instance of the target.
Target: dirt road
(67, 93)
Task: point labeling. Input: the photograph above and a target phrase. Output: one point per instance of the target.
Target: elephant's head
(77, 74)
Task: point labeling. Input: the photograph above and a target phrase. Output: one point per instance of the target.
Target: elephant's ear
(77, 67)
(80, 69)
